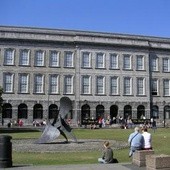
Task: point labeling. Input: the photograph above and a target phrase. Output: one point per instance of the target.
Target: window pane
(166, 65)
(166, 87)
(100, 85)
(86, 59)
(68, 59)
(39, 84)
(154, 63)
(154, 87)
(114, 85)
(39, 58)
(9, 57)
(86, 84)
(68, 85)
(127, 86)
(100, 60)
(140, 86)
(54, 84)
(8, 82)
(23, 83)
(54, 59)
(127, 62)
(140, 62)
(24, 57)
(113, 61)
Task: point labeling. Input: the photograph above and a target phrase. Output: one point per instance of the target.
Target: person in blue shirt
(136, 141)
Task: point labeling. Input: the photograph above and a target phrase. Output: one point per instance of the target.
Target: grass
(160, 143)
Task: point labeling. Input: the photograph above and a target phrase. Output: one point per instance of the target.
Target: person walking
(136, 141)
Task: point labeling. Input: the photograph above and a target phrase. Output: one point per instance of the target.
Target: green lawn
(161, 140)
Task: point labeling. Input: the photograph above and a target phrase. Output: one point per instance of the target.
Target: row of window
(86, 84)
(53, 111)
(86, 60)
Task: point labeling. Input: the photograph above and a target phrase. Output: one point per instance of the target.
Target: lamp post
(1, 101)
(164, 112)
(48, 104)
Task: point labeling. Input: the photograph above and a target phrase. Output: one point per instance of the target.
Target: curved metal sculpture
(59, 125)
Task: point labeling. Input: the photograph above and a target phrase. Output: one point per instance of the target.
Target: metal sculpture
(59, 125)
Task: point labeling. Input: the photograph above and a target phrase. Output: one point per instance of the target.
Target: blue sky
(139, 17)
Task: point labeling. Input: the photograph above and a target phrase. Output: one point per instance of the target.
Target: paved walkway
(119, 166)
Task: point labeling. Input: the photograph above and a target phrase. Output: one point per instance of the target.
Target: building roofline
(77, 36)
(77, 32)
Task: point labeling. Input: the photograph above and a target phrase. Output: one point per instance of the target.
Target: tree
(1, 101)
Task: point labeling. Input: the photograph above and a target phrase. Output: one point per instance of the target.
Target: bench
(139, 157)
(158, 162)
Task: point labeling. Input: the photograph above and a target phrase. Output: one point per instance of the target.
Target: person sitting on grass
(107, 154)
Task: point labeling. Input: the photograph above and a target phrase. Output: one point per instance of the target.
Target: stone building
(103, 74)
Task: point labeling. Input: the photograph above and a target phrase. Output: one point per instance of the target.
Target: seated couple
(139, 141)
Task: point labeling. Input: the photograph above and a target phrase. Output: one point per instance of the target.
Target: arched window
(140, 111)
(37, 111)
(7, 110)
(22, 111)
(53, 111)
(155, 112)
(127, 112)
(99, 111)
(167, 112)
(85, 112)
(113, 111)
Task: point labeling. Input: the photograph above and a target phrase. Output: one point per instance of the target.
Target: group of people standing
(140, 139)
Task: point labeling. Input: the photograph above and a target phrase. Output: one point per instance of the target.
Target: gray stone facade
(76, 43)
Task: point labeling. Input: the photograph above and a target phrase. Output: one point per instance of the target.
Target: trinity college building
(103, 74)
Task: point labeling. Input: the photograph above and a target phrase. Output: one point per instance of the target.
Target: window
(113, 61)
(37, 111)
(68, 84)
(24, 57)
(86, 84)
(127, 62)
(8, 82)
(114, 85)
(127, 86)
(39, 82)
(6, 110)
(155, 112)
(9, 57)
(23, 83)
(68, 59)
(140, 62)
(22, 111)
(166, 65)
(154, 87)
(140, 86)
(86, 60)
(166, 87)
(39, 58)
(54, 84)
(100, 60)
(100, 85)
(154, 64)
(54, 59)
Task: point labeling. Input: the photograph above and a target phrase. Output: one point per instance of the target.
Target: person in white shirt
(147, 139)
